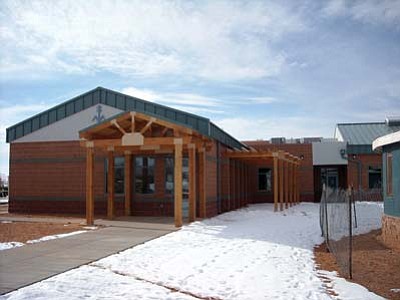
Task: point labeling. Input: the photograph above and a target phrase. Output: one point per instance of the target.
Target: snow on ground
(3, 200)
(252, 253)
(369, 216)
(10, 245)
(55, 236)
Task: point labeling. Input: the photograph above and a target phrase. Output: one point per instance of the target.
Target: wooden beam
(147, 126)
(295, 184)
(110, 185)
(178, 185)
(115, 123)
(128, 182)
(132, 121)
(291, 183)
(281, 175)
(148, 141)
(164, 131)
(229, 174)
(202, 183)
(192, 183)
(89, 186)
(276, 183)
(286, 178)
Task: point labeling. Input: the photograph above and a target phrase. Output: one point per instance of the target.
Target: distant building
(389, 145)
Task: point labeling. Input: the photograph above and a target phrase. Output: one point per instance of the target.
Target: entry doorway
(334, 176)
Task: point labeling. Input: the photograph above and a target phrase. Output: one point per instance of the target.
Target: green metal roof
(364, 133)
(124, 102)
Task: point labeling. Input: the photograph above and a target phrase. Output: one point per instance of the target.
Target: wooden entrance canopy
(133, 133)
(285, 178)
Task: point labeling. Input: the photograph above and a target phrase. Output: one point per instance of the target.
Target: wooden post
(294, 184)
(192, 182)
(178, 183)
(244, 184)
(202, 183)
(290, 184)
(276, 183)
(280, 176)
(89, 184)
(229, 174)
(110, 184)
(233, 186)
(128, 182)
(286, 184)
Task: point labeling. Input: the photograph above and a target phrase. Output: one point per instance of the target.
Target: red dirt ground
(374, 265)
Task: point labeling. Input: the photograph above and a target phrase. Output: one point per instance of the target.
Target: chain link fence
(340, 219)
(336, 215)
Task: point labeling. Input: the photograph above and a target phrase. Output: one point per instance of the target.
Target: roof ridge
(360, 123)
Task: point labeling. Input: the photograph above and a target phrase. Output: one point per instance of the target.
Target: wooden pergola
(285, 170)
(134, 133)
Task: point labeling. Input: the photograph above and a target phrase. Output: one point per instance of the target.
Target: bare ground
(374, 265)
(24, 231)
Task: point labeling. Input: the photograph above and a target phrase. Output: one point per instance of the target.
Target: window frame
(270, 180)
(374, 167)
(389, 174)
(136, 175)
(115, 177)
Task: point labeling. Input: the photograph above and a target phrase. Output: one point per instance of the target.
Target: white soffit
(386, 140)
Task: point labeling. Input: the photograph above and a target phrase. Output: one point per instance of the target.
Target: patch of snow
(251, 253)
(395, 290)
(56, 236)
(10, 245)
(348, 290)
(6, 222)
(4, 200)
(89, 282)
(90, 227)
(369, 217)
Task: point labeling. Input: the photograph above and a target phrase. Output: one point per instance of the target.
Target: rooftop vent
(278, 140)
(393, 121)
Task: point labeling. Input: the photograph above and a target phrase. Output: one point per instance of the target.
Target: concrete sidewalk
(34, 262)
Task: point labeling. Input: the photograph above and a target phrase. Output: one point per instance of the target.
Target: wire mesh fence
(341, 213)
(336, 220)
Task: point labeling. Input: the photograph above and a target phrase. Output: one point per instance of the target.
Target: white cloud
(223, 40)
(368, 11)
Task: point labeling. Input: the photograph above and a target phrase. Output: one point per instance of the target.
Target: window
(119, 173)
(144, 175)
(264, 179)
(389, 179)
(169, 175)
(374, 178)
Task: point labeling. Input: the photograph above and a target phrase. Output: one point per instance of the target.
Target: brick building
(134, 148)
(104, 152)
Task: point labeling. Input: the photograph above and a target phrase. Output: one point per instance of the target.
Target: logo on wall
(99, 117)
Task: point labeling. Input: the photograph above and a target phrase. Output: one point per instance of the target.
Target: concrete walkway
(34, 262)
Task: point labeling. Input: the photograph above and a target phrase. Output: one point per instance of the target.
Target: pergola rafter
(135, 133)
(285, 172)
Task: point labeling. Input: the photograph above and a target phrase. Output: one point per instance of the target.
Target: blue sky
(256, 68)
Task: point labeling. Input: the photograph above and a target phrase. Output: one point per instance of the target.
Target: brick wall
(306, 172)
(365, 161)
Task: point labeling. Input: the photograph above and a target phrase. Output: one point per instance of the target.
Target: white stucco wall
(328, 153)
(68, 129)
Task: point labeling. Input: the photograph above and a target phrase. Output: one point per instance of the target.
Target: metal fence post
(326, 219)
(350, 200)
